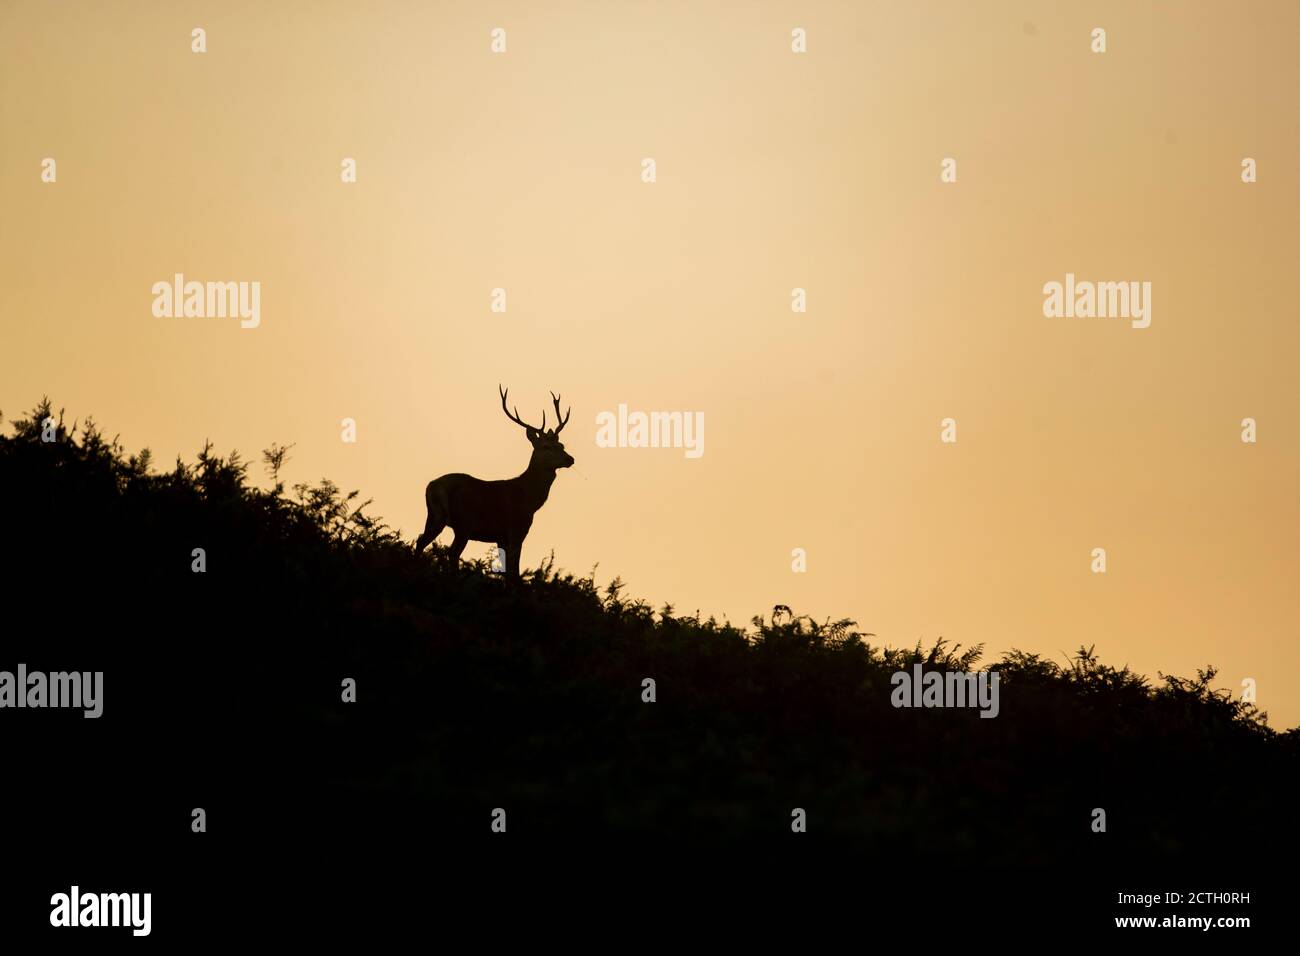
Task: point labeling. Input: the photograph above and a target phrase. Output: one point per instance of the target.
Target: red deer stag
(498, 512)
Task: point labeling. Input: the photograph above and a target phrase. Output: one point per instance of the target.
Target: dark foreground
(478, 699)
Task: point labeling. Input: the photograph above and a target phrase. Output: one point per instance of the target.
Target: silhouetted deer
(499, 512)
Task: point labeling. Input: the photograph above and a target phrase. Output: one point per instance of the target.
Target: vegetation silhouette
(474, 694)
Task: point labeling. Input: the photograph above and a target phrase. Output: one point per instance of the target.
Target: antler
(563, 421)
(515, 417)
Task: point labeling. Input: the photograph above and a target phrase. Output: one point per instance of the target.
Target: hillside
(223, 691)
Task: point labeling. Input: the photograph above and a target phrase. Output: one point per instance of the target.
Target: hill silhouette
(223, 691)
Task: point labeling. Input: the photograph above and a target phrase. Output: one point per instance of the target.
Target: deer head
(548, 452)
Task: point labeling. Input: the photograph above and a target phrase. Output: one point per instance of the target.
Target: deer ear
(532, 435)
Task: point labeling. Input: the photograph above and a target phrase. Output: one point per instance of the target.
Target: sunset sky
(775, 170)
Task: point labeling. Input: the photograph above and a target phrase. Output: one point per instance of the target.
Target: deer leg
(513, 551)
(432, 528)
(458, 545)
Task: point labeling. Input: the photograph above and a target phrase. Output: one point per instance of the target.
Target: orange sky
(775, 170)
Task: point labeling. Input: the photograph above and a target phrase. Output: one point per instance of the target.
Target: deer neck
(536, 482)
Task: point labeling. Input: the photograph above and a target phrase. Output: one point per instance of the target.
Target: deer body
(498, 512)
